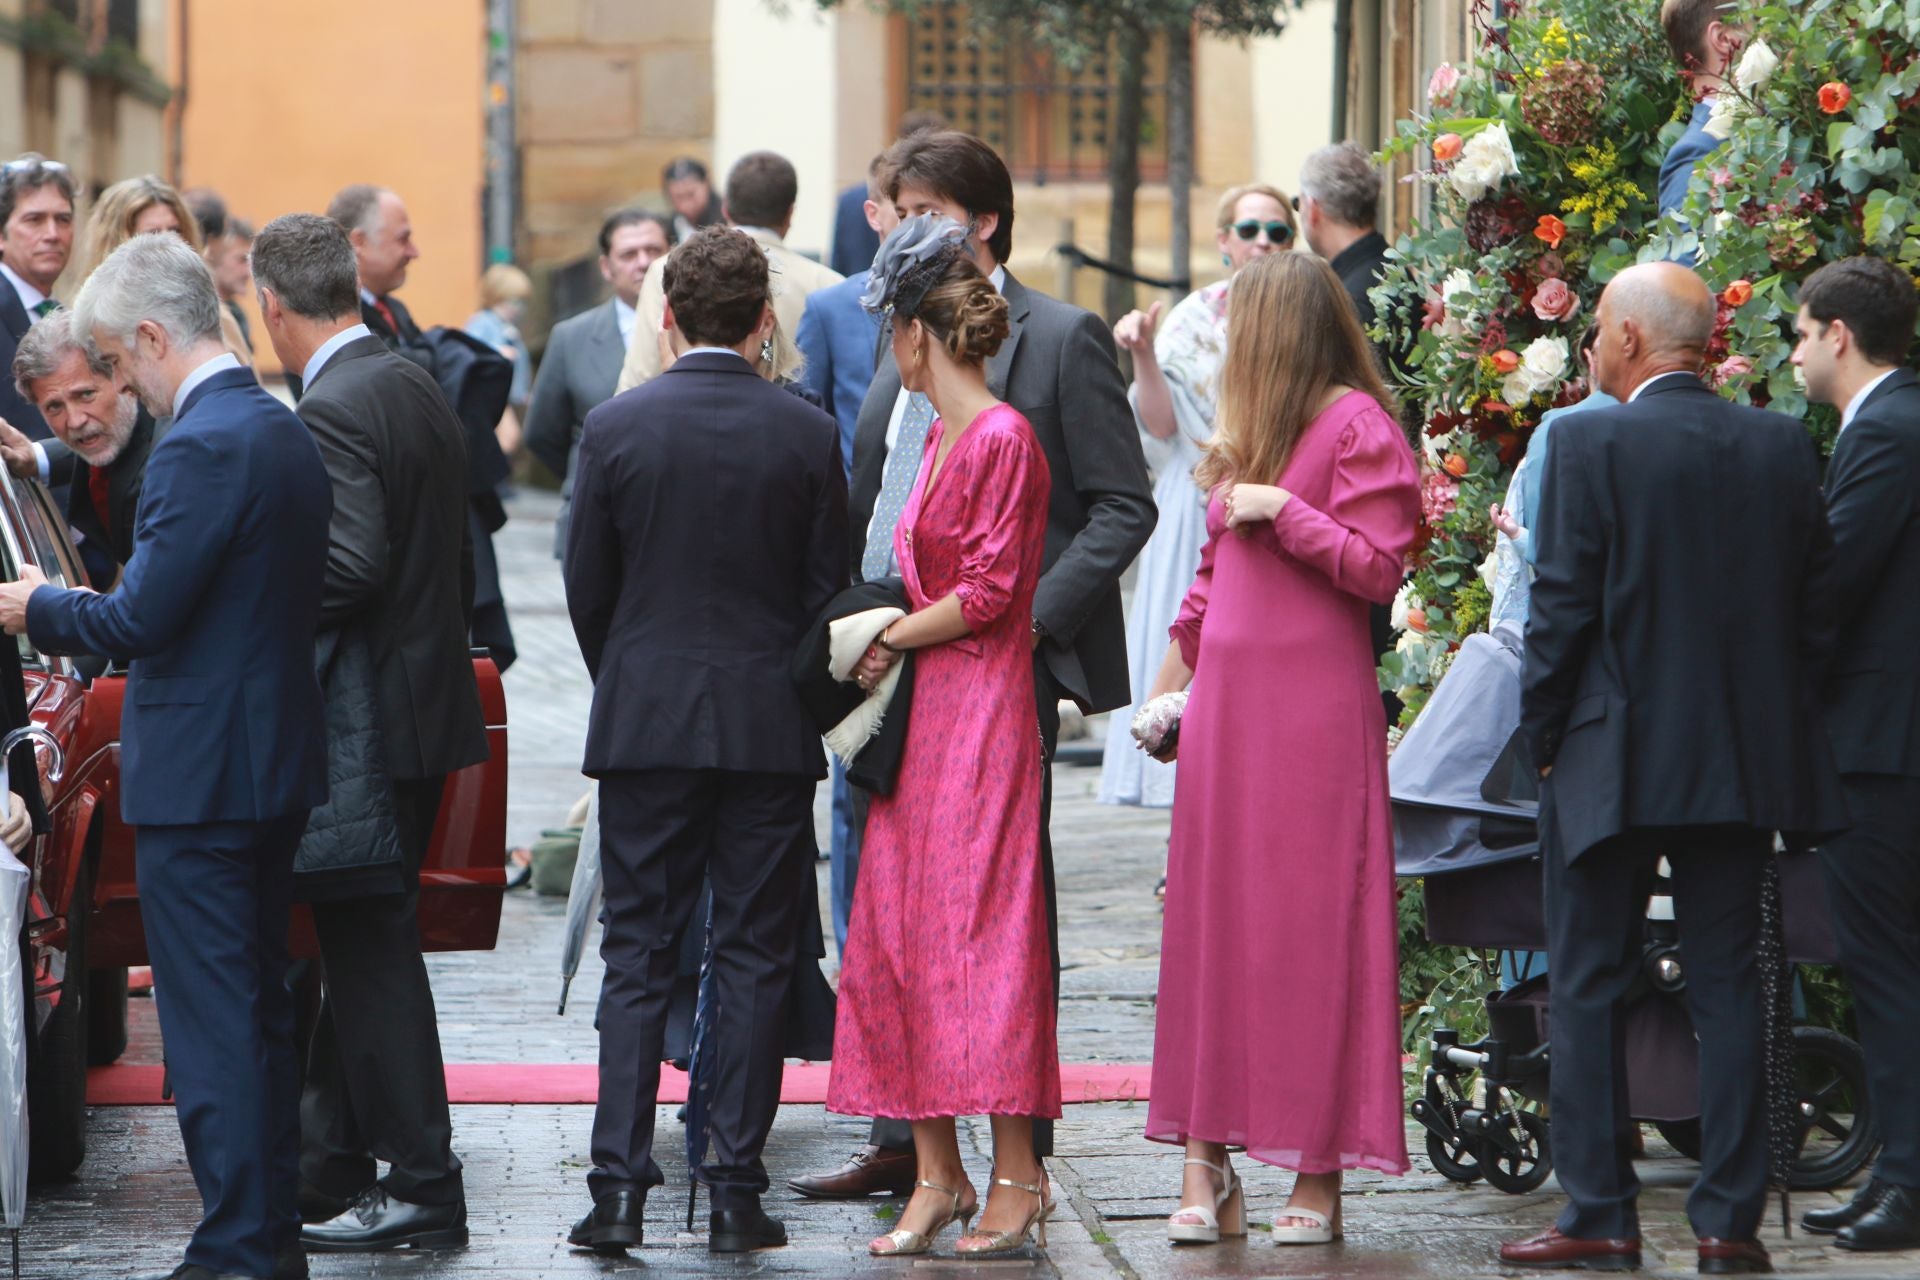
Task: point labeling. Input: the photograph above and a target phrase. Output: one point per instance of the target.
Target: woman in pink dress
(946, 996)
(1278, 1026)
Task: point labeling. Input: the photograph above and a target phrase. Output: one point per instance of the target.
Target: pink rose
(1554, 300)
(1730, 368)
(1446, 78)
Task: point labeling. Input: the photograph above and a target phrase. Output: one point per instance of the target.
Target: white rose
(1486, 159)
(1435, 447)
(1723, 117)
(1409, 644)
(1757, 66)
(1404, 599)
(1517, 387)
(1545, 362)
(1458, 281)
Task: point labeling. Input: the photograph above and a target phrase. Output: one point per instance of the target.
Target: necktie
(386, 313)
(45, 307)
(98, 488)
(896, 486)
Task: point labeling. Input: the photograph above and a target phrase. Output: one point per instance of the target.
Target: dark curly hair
(717, 284)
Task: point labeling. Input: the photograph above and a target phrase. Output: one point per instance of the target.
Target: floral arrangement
(1542, 156)
(1821, 160)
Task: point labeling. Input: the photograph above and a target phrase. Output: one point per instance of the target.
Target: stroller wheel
(1682, 1135)
(1454, 1161)
(1838, 1135)
(1517, 1174)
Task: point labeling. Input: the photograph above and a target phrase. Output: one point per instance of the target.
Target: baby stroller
(1463, 823)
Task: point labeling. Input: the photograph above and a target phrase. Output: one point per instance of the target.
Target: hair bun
(980, 324)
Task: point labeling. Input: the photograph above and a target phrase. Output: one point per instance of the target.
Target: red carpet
(563, 1084)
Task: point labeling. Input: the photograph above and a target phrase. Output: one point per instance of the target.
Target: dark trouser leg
(1046, 696)
(656, 829)
(215, 901)
(894, 1135)
(376, 1083)
(1595, 911)
(1873, 887)
(760, 859)
(1716, 901)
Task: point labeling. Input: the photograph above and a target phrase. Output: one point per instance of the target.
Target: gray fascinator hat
(910, 262)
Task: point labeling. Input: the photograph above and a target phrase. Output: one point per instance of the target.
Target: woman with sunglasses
(1176, 372)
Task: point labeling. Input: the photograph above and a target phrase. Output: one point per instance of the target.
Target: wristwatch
(1039, 629)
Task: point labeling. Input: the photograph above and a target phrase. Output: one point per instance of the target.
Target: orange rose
(1417, 620)
(1455, 465)
(1447, 148)
(1505, 361)
(1738, 294)
(1550, 230)
(1834, 97)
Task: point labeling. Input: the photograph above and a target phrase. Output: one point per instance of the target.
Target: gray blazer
(1059, 368)
(578, 373)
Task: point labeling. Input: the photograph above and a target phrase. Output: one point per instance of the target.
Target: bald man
(1680, 620)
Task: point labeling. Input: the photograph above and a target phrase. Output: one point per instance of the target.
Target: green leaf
(1873, 217)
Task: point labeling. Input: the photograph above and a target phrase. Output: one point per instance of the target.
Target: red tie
(97, 481)
(386, 313)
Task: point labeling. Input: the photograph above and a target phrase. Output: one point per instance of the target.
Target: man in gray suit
(1058, 367)
(584, 353)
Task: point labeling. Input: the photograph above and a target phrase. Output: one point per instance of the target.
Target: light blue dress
(488, 326)
(1191, 347)
(1513, 558)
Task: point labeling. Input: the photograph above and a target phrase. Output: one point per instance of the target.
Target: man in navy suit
(223, 749)
(709, 532)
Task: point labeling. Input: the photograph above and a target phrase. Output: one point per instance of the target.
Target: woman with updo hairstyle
(146, 206)
(946, 989)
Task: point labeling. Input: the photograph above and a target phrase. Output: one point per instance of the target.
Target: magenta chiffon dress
(1278, 1027)
(946, 994)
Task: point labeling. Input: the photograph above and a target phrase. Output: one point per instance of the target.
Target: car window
(46, 534)
(30, 657)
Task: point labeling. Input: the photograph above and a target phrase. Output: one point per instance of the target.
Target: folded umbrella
(583, 898)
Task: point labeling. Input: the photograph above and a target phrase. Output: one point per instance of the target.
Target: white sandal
(1326, 1232)
(1228, 1216)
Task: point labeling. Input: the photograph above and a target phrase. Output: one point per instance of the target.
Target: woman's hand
(1504, 521)
(1134, 333)
(17, 829)
(873, 664)
(1253, 503)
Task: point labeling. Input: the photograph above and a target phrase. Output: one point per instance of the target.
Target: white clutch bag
(1156, 725)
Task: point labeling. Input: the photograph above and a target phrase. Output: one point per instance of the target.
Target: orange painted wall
(287, 103)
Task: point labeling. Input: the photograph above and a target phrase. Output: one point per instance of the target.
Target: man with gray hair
(399, 576)
(1680, 624)
(1339, 205)
(223, 749)
(101, 421)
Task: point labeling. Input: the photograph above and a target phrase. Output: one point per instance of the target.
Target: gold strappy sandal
(1008, 1241)
(902, 1243)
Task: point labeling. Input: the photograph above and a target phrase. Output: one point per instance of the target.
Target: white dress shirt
(219, 364)
(624, 317)
(318, 360)
(1848, 414)
(1671, 373)
(30, 297)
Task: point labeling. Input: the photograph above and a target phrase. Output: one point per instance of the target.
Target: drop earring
(766, 350)
(1226, 260)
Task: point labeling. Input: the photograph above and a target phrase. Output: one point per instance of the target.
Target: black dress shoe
(615, 1224)
(189, 1271)
(317, 1206)
(375, 1220)
(1892, 1223)
(743, 1230)
(1824, 1222)
(291, 1264)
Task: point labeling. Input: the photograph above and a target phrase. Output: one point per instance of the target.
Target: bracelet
(881, 640)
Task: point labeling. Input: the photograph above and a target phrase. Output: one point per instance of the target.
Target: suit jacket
(1693, 146)
(125, 478)
(795, 276)
(1872, 694)
(709, 531)
(854, 240)
(1680, 620)
(217, 611)
(15, 408)
(1058, 367)
(578, 373)
(840, 340)
(398, 550)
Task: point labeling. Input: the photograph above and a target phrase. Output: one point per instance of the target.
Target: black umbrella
(700, 1072)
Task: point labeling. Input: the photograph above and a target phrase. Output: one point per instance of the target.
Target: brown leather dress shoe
(1552, 1250)
(1733, 1258)
(869, 1171)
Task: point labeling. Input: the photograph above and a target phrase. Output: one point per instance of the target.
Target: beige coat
(794, 277)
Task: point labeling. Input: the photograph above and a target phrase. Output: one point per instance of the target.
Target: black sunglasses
(1278, 232)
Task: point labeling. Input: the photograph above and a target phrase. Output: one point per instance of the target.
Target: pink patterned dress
(1277, 1026)
(946, 999)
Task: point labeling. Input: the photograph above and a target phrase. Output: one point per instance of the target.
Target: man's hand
(17, 829)
(13, 599)
(16, 452)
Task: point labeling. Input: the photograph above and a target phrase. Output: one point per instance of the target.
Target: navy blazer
(854, 239)
(841, 342)
(709, 531)
(216, 610)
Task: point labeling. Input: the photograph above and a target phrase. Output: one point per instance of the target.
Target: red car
(83, 912)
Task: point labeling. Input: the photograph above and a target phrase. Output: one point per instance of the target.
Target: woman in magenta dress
(1278, 1027)
(946, 997)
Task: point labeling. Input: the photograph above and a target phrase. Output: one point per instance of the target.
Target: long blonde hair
(110, 225)
(1292, 335)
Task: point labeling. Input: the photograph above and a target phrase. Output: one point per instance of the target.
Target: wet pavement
(133, 1204)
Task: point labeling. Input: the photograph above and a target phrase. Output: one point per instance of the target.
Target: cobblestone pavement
(133, 1203)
